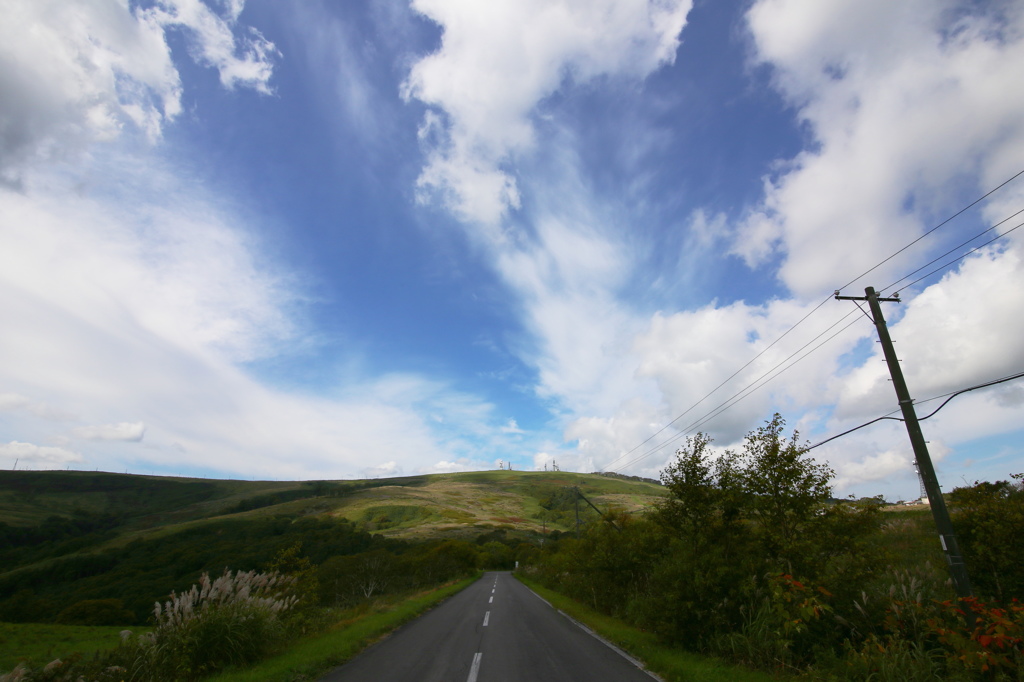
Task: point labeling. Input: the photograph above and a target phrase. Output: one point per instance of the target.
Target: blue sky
(303, 240)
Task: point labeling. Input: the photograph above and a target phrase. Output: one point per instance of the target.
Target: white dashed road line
(474, 670)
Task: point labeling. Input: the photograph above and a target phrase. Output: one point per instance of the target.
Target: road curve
(496, 630)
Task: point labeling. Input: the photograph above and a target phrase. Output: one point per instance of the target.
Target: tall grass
(233, 620)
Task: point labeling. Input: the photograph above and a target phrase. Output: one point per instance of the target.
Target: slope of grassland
(76, 513)
(470, 503)
(27, 498)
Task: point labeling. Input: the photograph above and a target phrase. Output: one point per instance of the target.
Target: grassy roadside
(310, 658)
(670, 664)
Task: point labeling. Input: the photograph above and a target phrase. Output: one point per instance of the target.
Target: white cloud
(139, 293)
(879, 86)
(74, 72)
(13, 402)
(124, 431)
(27, 455)
(945, 339)
(882, 86)
(498, 61)
(511, 427)
(446, 467)
(383, 470)
(240, 60)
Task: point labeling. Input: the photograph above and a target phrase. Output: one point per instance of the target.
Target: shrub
(989, 519)
(232, 620)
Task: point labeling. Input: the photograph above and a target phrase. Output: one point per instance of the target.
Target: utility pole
(957, 568)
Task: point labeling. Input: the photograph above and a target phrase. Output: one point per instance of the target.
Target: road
(496, 630)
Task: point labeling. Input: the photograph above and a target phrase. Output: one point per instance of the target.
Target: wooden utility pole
(955, 560)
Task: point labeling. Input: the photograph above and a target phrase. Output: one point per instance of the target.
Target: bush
(989, 520)
(233, 620)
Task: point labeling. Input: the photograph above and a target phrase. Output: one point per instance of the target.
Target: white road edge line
(474, 669)
(598, 637)
(487, 617)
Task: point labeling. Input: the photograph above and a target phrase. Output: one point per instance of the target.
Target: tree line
(750, 558)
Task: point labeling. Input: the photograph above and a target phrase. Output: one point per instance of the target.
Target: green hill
(413, 506)
(71, 536)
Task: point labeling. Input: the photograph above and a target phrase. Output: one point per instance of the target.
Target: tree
(787, 491)
(989, 520)
(705, 493)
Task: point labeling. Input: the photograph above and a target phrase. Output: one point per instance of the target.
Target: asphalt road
(496, 630)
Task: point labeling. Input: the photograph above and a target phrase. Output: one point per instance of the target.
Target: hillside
(72, 536)
(412, 506)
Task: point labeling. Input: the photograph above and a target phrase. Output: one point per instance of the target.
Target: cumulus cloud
(28, 455)
(498, 61)
(446, 467)
(124, 431)
(72, 73)
(880, 86)
(945, 339)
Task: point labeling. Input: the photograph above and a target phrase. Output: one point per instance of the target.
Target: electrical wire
(958, 258)
(955, 215)
(718, 408)
(966, 390)
(609, 466)
(747, 390)
(960, 245)
(856, 428)
(947, 396)
(727, 404)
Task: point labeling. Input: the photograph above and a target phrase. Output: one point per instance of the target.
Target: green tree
(705, 493)
(787, 492)
(989, 520)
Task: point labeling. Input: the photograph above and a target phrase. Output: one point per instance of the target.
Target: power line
(948, 396)
(958, 246)
(955, 215)
(715, 389)
(967, 390)
(728, 403)
(747, 390)
(958, 258)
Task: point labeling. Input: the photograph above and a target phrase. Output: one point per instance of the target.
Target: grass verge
(672, 665)
(36, 644)
(310, 658)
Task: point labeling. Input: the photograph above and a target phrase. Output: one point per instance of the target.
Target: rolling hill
(71, 536)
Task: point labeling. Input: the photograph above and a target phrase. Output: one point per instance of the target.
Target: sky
(293, 240)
